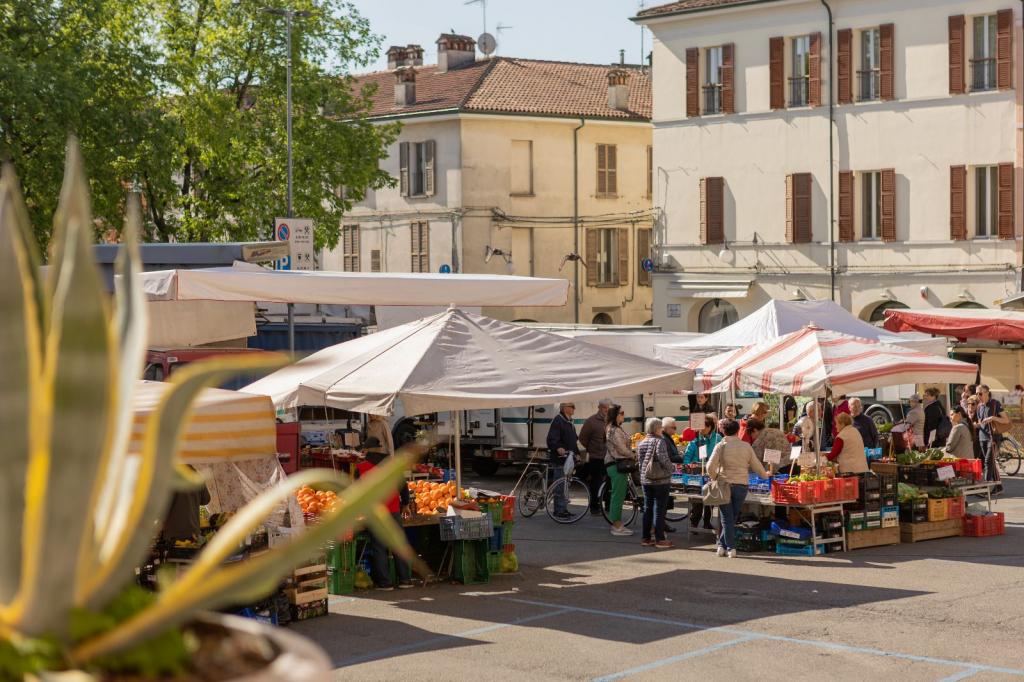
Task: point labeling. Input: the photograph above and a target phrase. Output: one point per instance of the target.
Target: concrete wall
(920, 134)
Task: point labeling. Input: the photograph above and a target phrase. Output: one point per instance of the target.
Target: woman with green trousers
(619, 461)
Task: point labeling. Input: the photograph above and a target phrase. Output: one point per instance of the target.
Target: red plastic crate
(956, 507)
(849, 488)
(793, 493)
(508, 508)
(968, 468)
(825, 491)
(984, 526)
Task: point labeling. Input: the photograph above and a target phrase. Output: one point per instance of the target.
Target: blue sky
(567, 30)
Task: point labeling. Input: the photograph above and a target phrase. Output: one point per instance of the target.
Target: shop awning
(990, 325)
(710, 288)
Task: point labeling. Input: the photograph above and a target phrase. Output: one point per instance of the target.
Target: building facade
(874, 158)
(515, 166)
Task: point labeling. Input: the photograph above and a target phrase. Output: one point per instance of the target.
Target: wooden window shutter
(375, 260)
(643, 251)
(888, 217)
(777, 73)
(814, 72)
(728, 78)
(623, 237)
(704, 211)
(790, 213)
(1004, 49)
(602, 169)
(844, 66)
(428, 168)
(798, 208)
(590, 237)
(958, 203)
(846, 231)
(650, 171)
(611, 170)
(715, 210)
(403, 172)
(886, 49)
(692, 82)
(1005, 201)
(414, 246)
(957, 77)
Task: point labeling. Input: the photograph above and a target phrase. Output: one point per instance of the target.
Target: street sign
(648, 265)
(445, 269)
(298, 232)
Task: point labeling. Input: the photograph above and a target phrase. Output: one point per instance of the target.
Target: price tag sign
(945, 473)
(697, 421)
(794, 454)
(702, 452)
(772, 456)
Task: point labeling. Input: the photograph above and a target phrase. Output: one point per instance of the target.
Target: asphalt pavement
(589, 606)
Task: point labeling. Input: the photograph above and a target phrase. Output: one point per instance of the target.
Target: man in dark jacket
(562, 442)
(935, 431)
(864, 424)
(592, 437)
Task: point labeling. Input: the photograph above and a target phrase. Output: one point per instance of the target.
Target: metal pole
(288, 125)
(458, 453)
(576, 221)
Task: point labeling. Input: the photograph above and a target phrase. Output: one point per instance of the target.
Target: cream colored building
(909, 196)
(485, 168)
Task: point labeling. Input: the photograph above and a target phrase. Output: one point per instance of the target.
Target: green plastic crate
(506, 533)
(494, 562)
(470, 564)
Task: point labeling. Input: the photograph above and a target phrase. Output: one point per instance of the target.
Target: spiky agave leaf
(208, 584)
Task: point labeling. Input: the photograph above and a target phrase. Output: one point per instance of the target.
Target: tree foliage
(184, 101)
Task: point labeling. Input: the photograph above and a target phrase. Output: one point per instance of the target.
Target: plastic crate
(447, 475)
(494, 562)
(984, 525)
(495, 541)
(791, 532)
(341, 567)
(957, 507)
(799, 550)
(758, 485)
(459, 528)
(492, 509)
(508, 508)
(968, 468)
(938, 510)
(695, 480)
(470, 562)
(849, 487)
(793, 493)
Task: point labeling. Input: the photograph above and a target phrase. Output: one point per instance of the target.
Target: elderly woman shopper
(960, 443)
(732, 460)
(656, 476)
(619, 462)
(848, 447)
(770, 438)
(708, 437)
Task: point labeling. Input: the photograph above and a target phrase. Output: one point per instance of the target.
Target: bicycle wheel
(573, 494)
(1009, 457)
(675, 514)
(531, 494)
(631, 506)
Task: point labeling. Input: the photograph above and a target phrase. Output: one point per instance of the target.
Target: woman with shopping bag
(728, 471)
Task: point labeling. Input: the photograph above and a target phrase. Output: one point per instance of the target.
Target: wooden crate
(883, 468)
(916, 532)
(309, 584)
(873, 538)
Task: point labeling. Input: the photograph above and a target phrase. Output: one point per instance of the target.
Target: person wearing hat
(915, 417)
(592, 438)
(401, 500)
(562, 442)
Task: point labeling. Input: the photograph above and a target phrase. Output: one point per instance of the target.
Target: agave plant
(78, 513)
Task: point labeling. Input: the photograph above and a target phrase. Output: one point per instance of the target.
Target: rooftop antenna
(641, 9)
(483, 6)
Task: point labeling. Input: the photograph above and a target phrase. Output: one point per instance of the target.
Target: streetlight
(289, 14)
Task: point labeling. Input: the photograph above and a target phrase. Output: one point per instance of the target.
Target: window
(869, 75)
(712, 210)
(800, 59)
(650, 171)
(607, 256)
(416, 174)
(607, 182)
(871, 205)
(375, 260)
(350, 248)
(715, 316)
(799, 227)
(983, 61)
(420, 247)
(603, 318)
(713, 80)
(986, 201)
(878, 314)
(521, 170)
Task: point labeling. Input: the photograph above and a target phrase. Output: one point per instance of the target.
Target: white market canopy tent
(778, 318)
(245, 282)
(810, 361)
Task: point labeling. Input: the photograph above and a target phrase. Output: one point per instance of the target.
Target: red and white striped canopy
(809, 361)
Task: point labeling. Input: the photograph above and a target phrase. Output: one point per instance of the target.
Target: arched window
(715, 315)
(878, 314)
(602, 318)
(967, 304)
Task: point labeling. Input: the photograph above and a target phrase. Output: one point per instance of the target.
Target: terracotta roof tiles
(690, 6)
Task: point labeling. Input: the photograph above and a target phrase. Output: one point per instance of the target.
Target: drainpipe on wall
(576, 218)
(831, 161)
(1019, 179)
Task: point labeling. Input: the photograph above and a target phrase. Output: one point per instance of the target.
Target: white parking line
(674, 659)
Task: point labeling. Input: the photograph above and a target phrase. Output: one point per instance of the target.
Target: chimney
(618, 89)
(396, 57)
(454, 51)
(405, 86)
(413, 55)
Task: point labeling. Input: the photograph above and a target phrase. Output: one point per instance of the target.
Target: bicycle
(1009, 457)
(534, 490)
(633, 504)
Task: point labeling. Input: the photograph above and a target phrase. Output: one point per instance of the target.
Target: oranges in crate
(316, 502)
(432, 498)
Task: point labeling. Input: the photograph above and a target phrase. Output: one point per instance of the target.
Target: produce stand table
(979, 488)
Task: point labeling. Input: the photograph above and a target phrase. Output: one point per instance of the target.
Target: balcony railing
(798, 87)
(983, 74)
(868, 85)
(713, 98)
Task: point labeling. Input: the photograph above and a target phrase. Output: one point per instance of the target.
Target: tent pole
(458, 453)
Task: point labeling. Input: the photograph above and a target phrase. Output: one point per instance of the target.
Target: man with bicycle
(992, 422)
(562, 442)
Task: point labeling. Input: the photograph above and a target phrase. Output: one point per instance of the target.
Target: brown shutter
(776, 72)
(1005, 201)
(643, 251)
(814, 79)
(728, 79)
(844, 66)
(428, 165)
(889, 205)
(957, 81)
(375, 260)
(846, 231)
(611, 171)
(650, 171)
(602, 164)
(403, 172)
(692, 82)
(1004, 49)
(798, 208)
(790, 213)
(715, 211)
(623, 236)
(703, 210)
(590, 238)
(886, 48)
(958, 203)
(414, 246)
